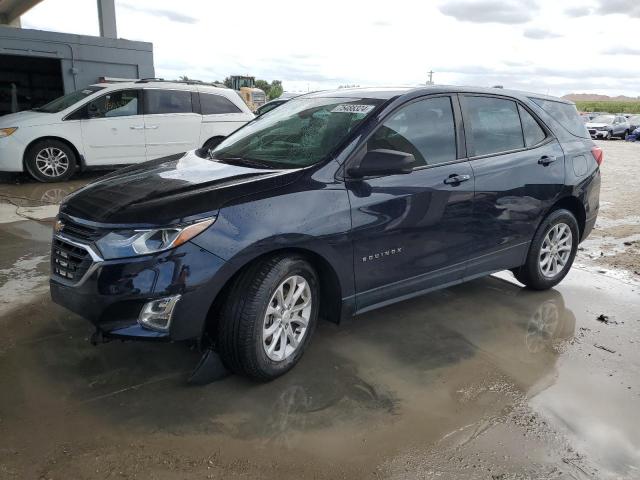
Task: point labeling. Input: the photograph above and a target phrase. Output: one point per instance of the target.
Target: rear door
(113, 129)
(220, 116)
(410, 231)
(519, 173)
(170, 122)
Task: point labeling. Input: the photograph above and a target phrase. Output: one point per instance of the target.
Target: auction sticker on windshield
(350, 108)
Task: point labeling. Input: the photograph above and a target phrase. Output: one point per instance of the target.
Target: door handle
(137, 127)
(455, 179)
(546, 160)
(151, 127)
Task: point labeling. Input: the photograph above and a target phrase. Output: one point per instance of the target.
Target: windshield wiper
(244, 162)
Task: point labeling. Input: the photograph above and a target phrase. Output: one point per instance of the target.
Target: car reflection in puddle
(401, 366)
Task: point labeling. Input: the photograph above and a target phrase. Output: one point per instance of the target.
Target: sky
(546, 46)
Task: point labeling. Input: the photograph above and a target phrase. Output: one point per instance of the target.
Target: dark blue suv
(331, 205)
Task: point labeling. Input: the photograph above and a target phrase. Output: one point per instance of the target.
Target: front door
(410, 231)
(113, 129)
(519, 174)
(171, 125)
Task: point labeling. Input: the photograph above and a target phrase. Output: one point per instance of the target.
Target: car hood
(169, 190)
(26, 118)
(597, 125)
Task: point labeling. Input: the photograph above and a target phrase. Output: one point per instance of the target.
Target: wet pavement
(485, 380)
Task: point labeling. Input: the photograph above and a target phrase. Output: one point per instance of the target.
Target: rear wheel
(50, 161)
(552, 251)
(269, 317)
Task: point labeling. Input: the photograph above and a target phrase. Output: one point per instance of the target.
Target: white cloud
(324, 44)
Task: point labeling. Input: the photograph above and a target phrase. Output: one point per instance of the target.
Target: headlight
(5, 132)
(131, 243)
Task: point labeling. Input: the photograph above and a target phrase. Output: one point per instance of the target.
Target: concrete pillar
(107, 18)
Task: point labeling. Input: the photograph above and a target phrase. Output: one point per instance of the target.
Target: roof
(386, 93)
(163, 84)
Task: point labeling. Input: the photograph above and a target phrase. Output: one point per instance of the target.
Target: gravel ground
(614, 245)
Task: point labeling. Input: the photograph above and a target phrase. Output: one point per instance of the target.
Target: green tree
(227, 82)
(264, 86)
(276, 89)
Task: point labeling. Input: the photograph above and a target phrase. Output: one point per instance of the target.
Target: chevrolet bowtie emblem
(58, 226)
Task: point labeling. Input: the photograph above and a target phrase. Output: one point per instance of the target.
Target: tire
(608, 136)
(538, 274)
(243, 338)
(625, 134)
(51, 161)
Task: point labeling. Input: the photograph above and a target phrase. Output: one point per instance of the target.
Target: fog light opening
(156, 314)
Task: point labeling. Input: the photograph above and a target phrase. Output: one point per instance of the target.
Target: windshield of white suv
(66, 101)
(603, 119)
(297, 134)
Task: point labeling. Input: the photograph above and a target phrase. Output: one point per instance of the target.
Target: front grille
(69, 261)
(79, 231)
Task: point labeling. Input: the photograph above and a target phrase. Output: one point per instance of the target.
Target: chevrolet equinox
(331, 205)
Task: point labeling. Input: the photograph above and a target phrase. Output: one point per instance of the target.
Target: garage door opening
(28, 82)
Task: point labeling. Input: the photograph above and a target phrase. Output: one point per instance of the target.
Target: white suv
(110, 124)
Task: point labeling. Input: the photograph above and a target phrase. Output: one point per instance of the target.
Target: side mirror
(92, 110)
(383, 162)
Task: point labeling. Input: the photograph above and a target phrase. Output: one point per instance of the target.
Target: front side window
(424, 129)
(492, 125)
(533, 132)
(158, 101)
(122, 103)
(66, 101)
(297, 134)
(216, 104)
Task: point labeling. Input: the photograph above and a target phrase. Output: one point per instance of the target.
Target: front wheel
(50, 161)
(269, 317)
(552, 251)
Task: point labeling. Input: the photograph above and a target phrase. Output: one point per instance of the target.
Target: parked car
(282, 99)
(608, 126)
(634, 136)
(332, 205)
(112, 124)
(634, 122)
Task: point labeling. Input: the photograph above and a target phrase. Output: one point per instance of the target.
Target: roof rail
(150, 79)
(185, 82)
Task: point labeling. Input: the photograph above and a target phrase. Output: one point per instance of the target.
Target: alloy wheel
(52, 162)
(287, 318)
(555, 251)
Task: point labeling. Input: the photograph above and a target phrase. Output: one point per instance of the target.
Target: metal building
(37, 66)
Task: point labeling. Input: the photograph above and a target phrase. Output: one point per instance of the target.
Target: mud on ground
(480, 381)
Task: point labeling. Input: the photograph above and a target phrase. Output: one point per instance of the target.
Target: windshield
(66, 101)
(603, 119)
(297, 134)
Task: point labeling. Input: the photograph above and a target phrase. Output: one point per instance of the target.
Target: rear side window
(425, 129)
(167, 101)
(565, 114)
(533, 132)
(493, 125)
(216, 104)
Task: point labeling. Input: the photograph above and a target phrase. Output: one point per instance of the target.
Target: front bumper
(11, 153)
(596, 134)
(113, 292)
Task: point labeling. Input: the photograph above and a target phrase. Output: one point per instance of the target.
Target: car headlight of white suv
(5, 132)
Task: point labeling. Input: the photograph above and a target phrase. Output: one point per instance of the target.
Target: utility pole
(430, 81)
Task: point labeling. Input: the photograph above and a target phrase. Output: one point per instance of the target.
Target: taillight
(598, 154)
